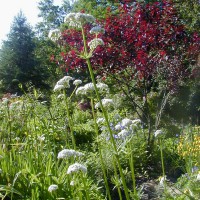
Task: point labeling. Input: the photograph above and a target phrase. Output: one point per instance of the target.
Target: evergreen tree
(17, 60)
(52, 16)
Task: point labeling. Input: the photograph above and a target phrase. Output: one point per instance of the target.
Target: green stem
(118, 186)
(85, 186)
(162, 162)
(131, 163)
(105, 116)
(69, 120)
(101, 157)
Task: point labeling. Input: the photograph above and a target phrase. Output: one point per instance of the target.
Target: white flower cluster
(62, 83)
(198, 177)
(100, 120)
(67, 153)
(123, 133)
(52, 188)
(102, 87)
(77, 82)
(76, 167)
(158, 132)
(106, 103)
(95, 42)
(78, 19)
(126, 127)
(97, 30)
(162, 180)
(89, 88)
(54, 35)
(41, 138)
(86, 89)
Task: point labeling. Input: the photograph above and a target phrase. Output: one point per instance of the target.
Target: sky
(10, 8)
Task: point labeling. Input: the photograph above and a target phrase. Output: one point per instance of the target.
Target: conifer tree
(18, 63)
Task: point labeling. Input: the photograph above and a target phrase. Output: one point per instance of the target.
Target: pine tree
(17, 60)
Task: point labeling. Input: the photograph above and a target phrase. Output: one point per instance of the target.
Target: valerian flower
(162, 180)
(65, 81)
(102, 87)
(60, 96)
(54, 35)
(86, 89)
(62, 83)
(80, 91)
(89, 87)
(77, 82)
(100, 120)
(105, 103)
(126, 122)
(67, 153)
(198, 177)
(118, 127)
(58, 88)
(123, 134)
(52, 188)
(97, 30)
(158, 132)
(136, 121)
(76, 167)
(41, 138)
(95, 42)
(78, 19)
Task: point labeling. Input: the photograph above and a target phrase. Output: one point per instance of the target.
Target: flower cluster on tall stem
(84, 19)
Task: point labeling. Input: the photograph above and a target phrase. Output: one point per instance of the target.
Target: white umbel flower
(118, 127)
(107, 102)
(123, 134)
(77, 82)
(126, 122)
(76, 167)
(162, 180)
(65, 81)
(102, 87)
(54, 35)
(95, 42)
(58, 88)
(89, 87)
(62, 83)
(100, 120)
(67, 153)
(158, 132)
(78, 19)
(136, 121)
(198, 177)
(52, 188)
(97, 30)
(80, 91)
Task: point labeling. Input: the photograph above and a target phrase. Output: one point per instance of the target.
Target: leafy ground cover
(60, 150)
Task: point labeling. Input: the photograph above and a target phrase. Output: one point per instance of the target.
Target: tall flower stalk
(69, 120)
(163, 179)
(87, 58)
(100, 154)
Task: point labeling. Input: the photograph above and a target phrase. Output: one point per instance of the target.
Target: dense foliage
(121, 130)
(18, 63)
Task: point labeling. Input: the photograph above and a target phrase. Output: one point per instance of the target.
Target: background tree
(17, 60)
(52, 16)
(188, 11)
(147, 52)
